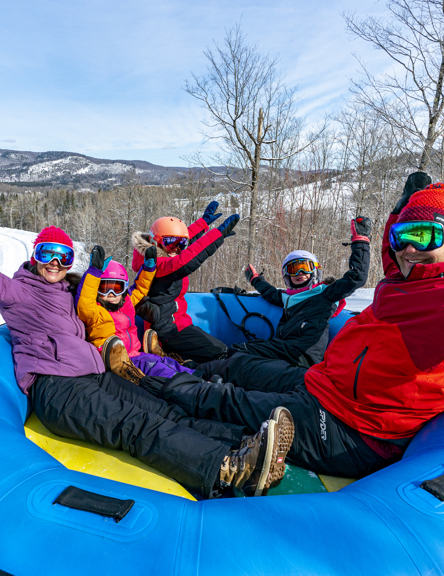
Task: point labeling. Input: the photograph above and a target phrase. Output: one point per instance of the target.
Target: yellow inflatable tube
(111, 464)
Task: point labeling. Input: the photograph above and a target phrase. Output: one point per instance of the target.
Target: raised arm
(195, 255)
(145, 277)
(201, 225)
(358, 264)
(86, 297)
(11, 291)
(266, 290)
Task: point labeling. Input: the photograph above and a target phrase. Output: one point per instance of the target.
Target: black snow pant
(322, 442)
(254, 373)
(192, 343)
(275, 349)
(110, 411)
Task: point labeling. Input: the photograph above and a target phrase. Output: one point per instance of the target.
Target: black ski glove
(415, 182)
(250, 273)
(361, 228)
(97, 258)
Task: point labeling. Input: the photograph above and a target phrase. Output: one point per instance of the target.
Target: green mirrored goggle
(423, 236)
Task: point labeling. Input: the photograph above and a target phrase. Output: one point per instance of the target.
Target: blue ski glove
(209, 215)
(97, 258)
(227, 226)
(150, 259)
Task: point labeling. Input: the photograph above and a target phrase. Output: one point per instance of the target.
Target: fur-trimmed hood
(141, 241)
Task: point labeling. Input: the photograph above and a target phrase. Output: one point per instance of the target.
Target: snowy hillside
(77, 170)
(16, 246)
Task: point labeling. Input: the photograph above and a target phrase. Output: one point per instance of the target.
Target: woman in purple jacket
(73, 396)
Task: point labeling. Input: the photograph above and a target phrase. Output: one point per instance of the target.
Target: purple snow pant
(153, 365)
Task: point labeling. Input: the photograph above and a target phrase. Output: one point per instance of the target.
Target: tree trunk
(254, 183)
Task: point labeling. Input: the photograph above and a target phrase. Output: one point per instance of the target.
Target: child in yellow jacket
(106, 305)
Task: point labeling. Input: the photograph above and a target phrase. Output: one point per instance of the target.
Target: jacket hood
(419, 271)
(28, 277)
(141, 242)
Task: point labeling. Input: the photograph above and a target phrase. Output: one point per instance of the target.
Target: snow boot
(284, 418)
(260, 461)
(115, 357)
(151, 345)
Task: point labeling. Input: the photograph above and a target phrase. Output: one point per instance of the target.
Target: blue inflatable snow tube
(384, 524)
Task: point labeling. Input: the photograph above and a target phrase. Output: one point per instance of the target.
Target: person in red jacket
(382, 377)
(181, 251)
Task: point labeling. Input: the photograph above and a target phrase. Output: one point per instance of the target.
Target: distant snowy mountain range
(72, 169)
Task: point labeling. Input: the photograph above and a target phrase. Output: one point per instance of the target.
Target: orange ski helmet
(167, 226)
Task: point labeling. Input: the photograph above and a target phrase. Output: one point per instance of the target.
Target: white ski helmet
(315, 278)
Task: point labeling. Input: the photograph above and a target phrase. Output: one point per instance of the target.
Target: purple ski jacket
(47, 335)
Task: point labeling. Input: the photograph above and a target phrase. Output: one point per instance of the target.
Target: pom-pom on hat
(427, 204)
(52, 234)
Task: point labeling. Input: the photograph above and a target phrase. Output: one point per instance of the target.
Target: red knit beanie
(427, 204)
(52, 234)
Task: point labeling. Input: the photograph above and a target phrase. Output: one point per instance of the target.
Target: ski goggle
(300, 266)
(111, 286)
(423, 236)
(170, 243)
(46, 252)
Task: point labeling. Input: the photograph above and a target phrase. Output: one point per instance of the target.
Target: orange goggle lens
(296, 267)
(117, 287)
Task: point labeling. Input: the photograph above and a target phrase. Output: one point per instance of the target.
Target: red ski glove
(361, 228)
(250, 273)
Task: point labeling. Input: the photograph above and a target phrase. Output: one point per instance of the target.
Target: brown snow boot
(260, 461)
(115, 357)
(284, 418)
(151, 345)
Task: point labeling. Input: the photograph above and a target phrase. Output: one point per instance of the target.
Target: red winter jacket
(383, 374)
(165, 307)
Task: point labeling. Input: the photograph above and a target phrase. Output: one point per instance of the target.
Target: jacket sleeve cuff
(94, 271)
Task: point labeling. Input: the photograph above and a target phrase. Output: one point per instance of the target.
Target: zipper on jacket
(361, 359)
(127, 331)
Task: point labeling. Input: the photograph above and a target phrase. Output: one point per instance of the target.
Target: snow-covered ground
(362, 298)
(16, 246)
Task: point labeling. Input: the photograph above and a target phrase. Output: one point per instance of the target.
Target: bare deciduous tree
(410, 98)
(251, 111)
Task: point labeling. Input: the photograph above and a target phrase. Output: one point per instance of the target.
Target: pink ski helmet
(116, 271)
(114, 279)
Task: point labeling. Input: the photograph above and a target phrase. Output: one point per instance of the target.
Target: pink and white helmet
(115, 271)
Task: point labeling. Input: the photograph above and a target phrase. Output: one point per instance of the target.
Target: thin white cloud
(102, 76)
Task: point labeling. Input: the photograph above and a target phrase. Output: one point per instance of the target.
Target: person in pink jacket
(105, 303)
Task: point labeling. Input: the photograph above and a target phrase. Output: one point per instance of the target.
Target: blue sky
(105, 78)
